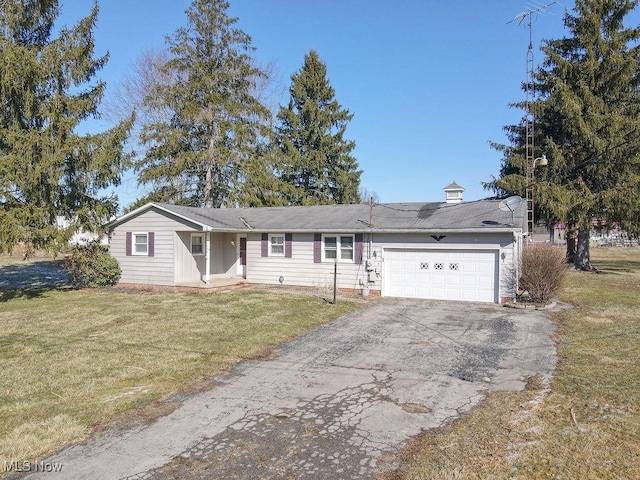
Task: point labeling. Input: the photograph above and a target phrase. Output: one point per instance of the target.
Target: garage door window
(338, 247)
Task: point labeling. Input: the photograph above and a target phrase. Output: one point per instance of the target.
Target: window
(276, 245)
(338, 247)
(197, 244)
(346, 248)
(140, 244)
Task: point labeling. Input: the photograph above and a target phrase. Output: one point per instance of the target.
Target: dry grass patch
(586, 426)
(75, 360)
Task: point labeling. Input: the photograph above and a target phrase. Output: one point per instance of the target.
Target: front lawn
(75, 360)
(587, 426)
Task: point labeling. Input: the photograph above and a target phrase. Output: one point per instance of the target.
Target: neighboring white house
(80, 237)
(453, 251)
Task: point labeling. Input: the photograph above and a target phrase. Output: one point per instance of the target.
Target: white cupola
(453, 193)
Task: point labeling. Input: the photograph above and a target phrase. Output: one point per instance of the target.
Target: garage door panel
(469, 281)
(441, 274)
(396, 278)
(453, 281)
(470, 268)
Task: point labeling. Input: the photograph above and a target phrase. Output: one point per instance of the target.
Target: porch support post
(207, 257)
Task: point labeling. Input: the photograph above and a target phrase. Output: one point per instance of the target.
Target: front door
(242, 253)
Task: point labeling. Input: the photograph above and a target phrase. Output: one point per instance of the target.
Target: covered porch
(209, 259)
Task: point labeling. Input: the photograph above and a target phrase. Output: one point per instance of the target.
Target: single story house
(452, 250)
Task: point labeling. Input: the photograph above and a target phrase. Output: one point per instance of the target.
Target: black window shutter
(151, 250)
(265, 245)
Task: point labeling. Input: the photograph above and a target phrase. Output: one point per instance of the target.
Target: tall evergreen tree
(46, 90)
(588, 123)
(200, 156)
(316, 165)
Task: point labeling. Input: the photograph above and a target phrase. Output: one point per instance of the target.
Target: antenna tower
(530, 111)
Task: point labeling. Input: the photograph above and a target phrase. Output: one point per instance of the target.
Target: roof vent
(453, 193)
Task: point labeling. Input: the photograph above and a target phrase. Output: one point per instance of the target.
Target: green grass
(586, 426)
(75, 360)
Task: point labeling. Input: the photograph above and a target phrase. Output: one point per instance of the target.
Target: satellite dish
(510, 204)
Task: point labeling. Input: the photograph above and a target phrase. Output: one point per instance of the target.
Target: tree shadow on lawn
(616, 266)
(32, 279)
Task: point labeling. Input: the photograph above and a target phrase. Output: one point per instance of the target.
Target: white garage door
(441, 274)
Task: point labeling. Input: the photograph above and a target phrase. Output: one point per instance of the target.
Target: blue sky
(429, 82)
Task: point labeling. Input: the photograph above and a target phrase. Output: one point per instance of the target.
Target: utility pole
(370, 212)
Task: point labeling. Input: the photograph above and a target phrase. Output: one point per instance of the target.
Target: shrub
(544, 268)
(91, 265)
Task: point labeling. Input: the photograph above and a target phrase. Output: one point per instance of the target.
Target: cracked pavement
(330, 403)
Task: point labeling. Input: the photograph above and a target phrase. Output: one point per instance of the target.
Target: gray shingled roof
(453, 186)
(398, 217)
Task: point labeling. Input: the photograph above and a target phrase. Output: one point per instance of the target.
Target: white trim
(207, 257)
(203, 244)
(270, 245)
(338, 237)
(134, 252)
(241, 269)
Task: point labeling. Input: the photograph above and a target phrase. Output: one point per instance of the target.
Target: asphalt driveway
(34, 274)
(330, 403)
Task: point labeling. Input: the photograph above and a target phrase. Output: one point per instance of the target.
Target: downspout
(207, 257)
(516, 262)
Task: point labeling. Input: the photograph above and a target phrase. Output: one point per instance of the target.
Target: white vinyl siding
(174, 263)
(142, 269)
(299, 270)
(191, 268)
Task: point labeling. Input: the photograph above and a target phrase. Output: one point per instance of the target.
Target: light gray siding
(299, 270)
(173, 262)
(156, 270)
(223, 254)
(191, 268)
(188, 268)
